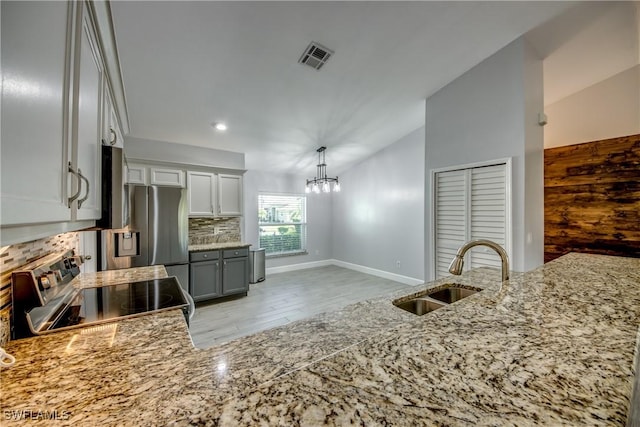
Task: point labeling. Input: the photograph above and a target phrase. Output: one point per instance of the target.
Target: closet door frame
(507, 162)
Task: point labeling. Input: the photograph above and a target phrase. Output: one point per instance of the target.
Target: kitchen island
(554, 346)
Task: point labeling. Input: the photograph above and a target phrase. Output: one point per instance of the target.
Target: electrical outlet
(398, 265)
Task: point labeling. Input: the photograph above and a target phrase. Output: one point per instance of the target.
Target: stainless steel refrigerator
(158, 233)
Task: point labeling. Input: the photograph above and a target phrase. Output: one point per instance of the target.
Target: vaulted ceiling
(188, 64)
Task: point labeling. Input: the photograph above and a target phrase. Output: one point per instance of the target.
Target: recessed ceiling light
(220, 126)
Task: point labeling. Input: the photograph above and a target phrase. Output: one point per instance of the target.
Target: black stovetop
(108, 303)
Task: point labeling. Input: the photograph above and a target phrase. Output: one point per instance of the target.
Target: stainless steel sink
(451, 294)
(435, 299)
(419, 306)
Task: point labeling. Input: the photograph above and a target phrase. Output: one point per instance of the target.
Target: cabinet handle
(114, 137)
(75, 196)
(86, 195)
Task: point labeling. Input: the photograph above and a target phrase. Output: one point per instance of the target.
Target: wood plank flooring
(283, 298)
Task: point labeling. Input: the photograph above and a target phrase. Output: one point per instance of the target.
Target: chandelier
(321, 182)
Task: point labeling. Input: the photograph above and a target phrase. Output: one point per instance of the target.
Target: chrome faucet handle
(458, 262)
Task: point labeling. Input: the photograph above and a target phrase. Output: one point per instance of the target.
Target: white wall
(489, 113)
(318, 215)
(608, 109)
(378, 217)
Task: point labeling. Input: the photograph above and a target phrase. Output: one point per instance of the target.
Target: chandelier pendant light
(321, 182)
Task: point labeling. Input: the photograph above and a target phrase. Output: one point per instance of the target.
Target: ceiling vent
(315, 55)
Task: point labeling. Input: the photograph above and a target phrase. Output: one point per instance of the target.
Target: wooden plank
(611, 160)
(592, 198)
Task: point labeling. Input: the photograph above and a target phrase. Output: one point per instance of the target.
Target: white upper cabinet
(53, 114)
(167, 177)
(202, 197)
(111, 130)
(88, 120)
(229, 195)
(214, 194)
(136, 174)
(36, 72)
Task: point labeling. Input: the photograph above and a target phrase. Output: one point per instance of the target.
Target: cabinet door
(111, 133)
(167, 177)
(88, 123)
(36, 65)
(136, 174)
(229, 195)
(204, 278)
(235, 275)
(201, 186)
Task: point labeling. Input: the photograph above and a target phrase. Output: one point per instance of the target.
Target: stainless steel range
(44, 300)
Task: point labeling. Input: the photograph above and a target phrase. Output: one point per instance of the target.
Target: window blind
(282, 223)
(470, 204)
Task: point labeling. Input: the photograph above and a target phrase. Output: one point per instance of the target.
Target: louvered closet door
(470, 204)
(488, 216)
(450, 213)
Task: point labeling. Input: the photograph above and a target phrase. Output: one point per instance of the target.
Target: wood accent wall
(592, 198)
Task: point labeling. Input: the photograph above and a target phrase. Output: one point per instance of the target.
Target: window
(471, 203)
(282, 221)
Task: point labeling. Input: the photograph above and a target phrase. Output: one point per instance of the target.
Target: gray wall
(488, 113)
(378, 217)
(318, 215)
(161, 151)
(608, 109)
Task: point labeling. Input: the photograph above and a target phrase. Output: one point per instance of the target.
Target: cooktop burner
(102, 304)
(136, 306)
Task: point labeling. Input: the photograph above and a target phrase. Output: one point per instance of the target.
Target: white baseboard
(299, 266)
(380, 273)
(361, 268)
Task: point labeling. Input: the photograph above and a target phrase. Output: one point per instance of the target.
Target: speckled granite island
(554, 346)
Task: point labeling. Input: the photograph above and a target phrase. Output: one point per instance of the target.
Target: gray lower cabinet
(215, 274)
(204, 275)
(235, 271)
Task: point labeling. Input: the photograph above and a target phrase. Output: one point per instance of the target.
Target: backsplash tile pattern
(214, 230)
(15, 256)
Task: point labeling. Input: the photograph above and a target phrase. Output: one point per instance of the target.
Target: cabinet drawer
(235, 253)
(203, 256)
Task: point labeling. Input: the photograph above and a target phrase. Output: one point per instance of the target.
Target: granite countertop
(113, 277)
(217, 245)
(554, 346)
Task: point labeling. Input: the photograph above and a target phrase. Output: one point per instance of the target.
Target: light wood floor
(283, 298)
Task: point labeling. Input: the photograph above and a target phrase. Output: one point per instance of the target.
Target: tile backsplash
(15, 256)
(214, 230)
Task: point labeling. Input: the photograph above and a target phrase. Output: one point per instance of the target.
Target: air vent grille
(315, 55)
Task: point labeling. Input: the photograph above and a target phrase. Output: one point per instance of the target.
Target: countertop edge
(217, 246)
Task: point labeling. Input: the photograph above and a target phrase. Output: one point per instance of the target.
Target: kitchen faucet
(456, 265)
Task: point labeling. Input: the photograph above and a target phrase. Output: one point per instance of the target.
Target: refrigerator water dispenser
(127, 243)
